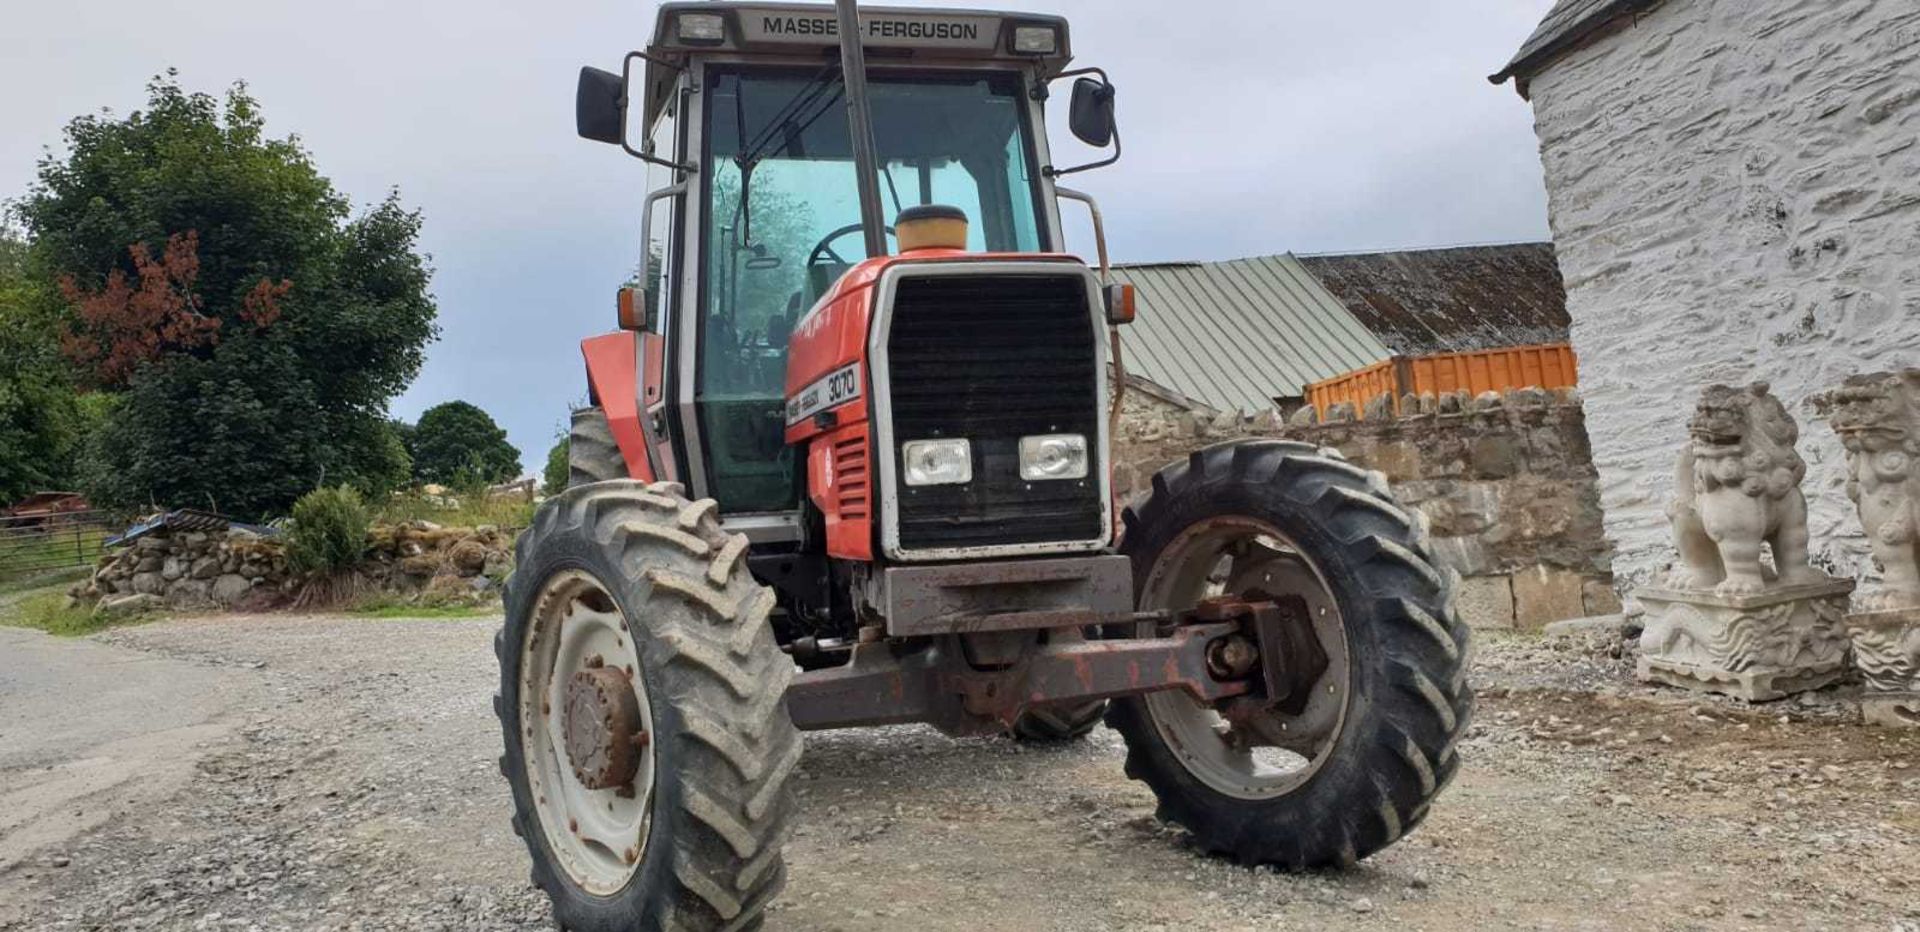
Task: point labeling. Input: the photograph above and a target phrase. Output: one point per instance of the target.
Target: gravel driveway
(339, 774)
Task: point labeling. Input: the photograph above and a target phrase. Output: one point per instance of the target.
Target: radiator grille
(994, 358)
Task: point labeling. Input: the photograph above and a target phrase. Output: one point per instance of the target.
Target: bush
(559, 470)
(329, 532)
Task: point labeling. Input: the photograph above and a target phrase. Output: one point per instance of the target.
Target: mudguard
(614, 373)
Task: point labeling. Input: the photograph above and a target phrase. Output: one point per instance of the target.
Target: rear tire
(712, 792)
(592, 454)
(1401, 661)
(1056, 724)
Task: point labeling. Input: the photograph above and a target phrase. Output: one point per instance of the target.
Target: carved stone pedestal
(1886, 648)
(1768, 645)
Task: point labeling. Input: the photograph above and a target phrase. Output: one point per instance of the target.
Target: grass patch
(49, 612)
(31, 581)
(389, 605)
(456, 508)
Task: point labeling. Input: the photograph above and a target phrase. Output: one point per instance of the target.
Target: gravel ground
(353, 787)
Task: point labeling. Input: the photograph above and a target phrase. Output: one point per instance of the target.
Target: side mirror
(1091, 115)
(600, 106)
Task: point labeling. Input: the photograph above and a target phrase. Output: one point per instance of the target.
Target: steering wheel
(823, 251)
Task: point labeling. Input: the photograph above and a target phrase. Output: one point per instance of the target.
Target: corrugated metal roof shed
(1235, 335)
(1426, 301)
(1568, 24)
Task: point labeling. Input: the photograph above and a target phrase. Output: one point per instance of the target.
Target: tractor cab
(741, 109)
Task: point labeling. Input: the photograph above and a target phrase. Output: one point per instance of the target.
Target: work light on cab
(1035, 40)
(703, 28)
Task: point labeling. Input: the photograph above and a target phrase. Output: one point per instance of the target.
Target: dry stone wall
(1507, 483)
(193, 569)
(1733, 199)
(241, 569)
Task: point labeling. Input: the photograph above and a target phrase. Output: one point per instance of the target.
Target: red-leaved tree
(126, 323)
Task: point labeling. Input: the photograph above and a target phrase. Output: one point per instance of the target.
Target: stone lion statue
(1878, 419)
(1738, 486)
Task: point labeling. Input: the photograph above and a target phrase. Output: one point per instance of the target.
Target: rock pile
(420, 555)
(194, 569)
(198, 569)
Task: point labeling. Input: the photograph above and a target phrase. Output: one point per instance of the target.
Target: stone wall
(192, 569)
(1507, 483)
(241, 569)
(1733, 198)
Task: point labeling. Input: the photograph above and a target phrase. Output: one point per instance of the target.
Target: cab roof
(811, 30)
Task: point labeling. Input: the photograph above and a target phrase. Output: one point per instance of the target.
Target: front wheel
(648, 746)
(1353, 757)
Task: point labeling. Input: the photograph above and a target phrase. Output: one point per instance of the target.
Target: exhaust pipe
(853, 72)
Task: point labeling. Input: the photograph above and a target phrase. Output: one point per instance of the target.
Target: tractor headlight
(1053, 456)
(937, 462)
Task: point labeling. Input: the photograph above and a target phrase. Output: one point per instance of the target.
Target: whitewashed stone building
(1734, 189)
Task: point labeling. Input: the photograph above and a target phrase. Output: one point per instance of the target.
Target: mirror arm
(1052, 172)
(1100, 73)
(626, 80)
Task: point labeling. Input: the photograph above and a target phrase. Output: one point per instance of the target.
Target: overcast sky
(1252, 127)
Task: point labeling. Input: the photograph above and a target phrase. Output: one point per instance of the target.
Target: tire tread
(1404, 752)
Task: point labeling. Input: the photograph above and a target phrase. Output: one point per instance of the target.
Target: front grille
(994, 358)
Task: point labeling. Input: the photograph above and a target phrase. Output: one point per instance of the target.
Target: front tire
(626, 575)
(1358, 762)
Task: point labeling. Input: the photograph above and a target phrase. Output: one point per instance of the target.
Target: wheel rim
(1273, 753)
(578, 650)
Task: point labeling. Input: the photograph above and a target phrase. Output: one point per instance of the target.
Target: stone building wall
(1735, 197)
(1506, 482)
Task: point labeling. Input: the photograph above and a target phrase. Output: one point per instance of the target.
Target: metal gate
(41, 543)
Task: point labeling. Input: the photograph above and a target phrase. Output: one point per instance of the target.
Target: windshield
(783, 221)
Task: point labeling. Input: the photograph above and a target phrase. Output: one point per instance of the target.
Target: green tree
(42, 420)
(553, 480)
(458, 444)
(285, 323)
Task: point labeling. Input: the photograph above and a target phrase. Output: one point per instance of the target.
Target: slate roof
(1568, 24)
(1236, 335)
(1421, 302)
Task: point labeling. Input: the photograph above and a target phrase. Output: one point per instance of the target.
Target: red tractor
(841, 472)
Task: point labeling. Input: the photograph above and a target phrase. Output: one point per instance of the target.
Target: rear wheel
(1352, 759)
(1051, 724)
(648, 745)
(592, 454)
